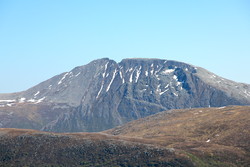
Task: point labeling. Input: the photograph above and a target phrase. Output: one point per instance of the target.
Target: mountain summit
(104, 94)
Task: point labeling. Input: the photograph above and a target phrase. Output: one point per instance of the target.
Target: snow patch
(123, 81)
(32, 100)
(130, 69)
(175, 77)
(105, 68)
(247, 93)
(161, 93)
(22, 100)
(175, 94)
(113, 77)
(178, 83)
(152, 71)
(77, 74)
(168, 71)
(158, 88)
(131, 77)
(7, 101)
(138, 72)
(146, 73)
(98, 94)
(40, 100)
(63, 78)
(36, 93)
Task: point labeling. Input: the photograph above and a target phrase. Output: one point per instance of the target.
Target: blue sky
(43, 38)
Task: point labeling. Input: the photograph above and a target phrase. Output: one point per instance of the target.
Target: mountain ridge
(103, 93)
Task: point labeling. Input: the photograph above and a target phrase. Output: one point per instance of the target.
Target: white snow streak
(99, 91)
(40, 100)
(168, 71)
(178, 83)
(146, 73)
(158, 88)
(7, 100)
(163, 91)
(247, 93)
(138, 72)
(130, 69)
(32, 100)
(175, 94)
(106, 66)
(22, 100)
(36, 93)
(131, 77)
(152, 71)
(62, 78)
(123, 81)
(77, 74)
(113, 77)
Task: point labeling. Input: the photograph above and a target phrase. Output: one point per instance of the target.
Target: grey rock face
(104, 94)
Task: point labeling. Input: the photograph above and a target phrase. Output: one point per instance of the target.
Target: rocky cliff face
(104, 94)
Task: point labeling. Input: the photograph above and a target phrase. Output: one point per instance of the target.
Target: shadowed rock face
(104, 94)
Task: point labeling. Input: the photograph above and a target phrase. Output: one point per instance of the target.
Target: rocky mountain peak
(103, 93)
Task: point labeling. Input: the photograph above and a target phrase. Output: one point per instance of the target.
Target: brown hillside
(35, 148)
(189, 137)
(217, 135)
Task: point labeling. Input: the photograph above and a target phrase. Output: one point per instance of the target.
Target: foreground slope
(217, 136)
(104, 94)
(34, 148)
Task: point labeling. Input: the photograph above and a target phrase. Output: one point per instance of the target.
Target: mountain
(104, 94)
(202, 137)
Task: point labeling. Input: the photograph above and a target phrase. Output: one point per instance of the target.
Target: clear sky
(43, 38)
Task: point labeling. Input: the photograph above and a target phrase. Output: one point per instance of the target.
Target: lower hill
(35, 148)
(189, 137)
(209, 136)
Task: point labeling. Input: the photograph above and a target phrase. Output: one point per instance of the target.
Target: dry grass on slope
(35, 148)
(221, 134)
